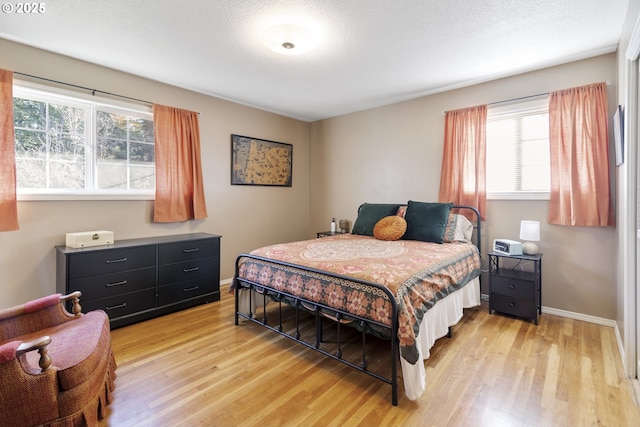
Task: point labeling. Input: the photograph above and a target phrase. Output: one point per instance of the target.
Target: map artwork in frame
(260, 162)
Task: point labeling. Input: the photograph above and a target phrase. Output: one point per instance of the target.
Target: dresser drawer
(512, 287)
(122, 305)
(189, 270)
(106, 285)
(184, 290)
(96, 263)
(523, 307)
(188, 250)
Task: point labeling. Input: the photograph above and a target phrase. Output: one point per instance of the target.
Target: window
(73, 147)
(518, 151)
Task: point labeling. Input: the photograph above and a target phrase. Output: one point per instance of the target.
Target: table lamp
(530, 232)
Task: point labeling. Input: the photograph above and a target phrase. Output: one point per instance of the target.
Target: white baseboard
(574, 315)
(226, 282)
(579, 316)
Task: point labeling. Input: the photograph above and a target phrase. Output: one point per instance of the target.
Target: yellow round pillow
(390, 228)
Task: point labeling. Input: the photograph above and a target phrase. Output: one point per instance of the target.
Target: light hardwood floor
(195, 368)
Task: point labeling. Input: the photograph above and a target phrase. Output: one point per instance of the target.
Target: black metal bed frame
(321, 311)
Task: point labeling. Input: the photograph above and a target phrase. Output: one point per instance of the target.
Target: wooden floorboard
(196, 368)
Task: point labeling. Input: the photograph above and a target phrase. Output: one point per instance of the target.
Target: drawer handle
(188, 251)
(190, 270)
(112, 261)
(512, 304)
(122, 282)
(123, 305)
(512, 286)
(190, 289)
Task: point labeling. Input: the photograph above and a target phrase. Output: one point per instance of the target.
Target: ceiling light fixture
(289, 39)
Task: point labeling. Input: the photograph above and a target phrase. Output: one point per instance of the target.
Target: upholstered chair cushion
(8, 351)
(75, 367)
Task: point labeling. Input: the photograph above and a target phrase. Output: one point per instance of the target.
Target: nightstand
(513, 290)
(327, 233)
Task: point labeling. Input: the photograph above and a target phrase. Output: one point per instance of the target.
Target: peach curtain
(8, 201)
(462, 179)
(578, 139)
(179, 186)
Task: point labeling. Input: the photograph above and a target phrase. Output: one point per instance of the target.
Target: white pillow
(463, 230)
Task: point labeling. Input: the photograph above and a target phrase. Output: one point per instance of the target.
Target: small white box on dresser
(85, 239)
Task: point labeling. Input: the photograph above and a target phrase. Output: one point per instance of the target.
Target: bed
(406, 284)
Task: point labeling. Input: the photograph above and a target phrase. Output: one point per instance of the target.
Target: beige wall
(391, 153)
(394, 153)
(245, 216)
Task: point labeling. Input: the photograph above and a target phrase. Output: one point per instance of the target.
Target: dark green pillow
(426, 221)
(369, 214)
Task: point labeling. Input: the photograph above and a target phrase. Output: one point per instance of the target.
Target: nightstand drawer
(106, 285)
(523, 307)
(512, 287)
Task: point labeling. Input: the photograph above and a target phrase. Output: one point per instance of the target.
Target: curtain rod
(608, 82)
(512, 99)
(509, 100)
(93, 91)
(518, 99)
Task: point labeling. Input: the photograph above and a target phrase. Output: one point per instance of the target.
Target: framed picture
(618, 134)
(260, 162)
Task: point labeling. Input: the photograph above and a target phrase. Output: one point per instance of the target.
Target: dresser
(515, 285)
(137, 279)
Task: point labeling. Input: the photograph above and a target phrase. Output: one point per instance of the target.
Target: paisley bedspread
(418, 273)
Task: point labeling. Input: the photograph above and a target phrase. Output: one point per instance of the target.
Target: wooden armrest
(75, 297)
(39, 344)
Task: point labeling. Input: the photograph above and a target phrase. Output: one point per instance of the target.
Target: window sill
(518, 196)
(80, 197)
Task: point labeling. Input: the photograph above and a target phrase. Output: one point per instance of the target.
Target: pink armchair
(56, 368)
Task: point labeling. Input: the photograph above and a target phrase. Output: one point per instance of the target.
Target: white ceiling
(370, 52)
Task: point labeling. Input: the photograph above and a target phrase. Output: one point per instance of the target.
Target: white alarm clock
(507, 247)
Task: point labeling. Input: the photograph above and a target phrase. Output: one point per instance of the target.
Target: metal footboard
(321, 312)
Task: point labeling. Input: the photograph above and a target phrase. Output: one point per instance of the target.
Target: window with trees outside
(69, 146)
(518, 150)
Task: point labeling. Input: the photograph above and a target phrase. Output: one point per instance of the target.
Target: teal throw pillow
(369, 214)
(426, 221)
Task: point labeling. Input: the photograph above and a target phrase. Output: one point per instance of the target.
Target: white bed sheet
(435, 324)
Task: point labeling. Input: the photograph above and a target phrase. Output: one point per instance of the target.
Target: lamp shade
(530, 231)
